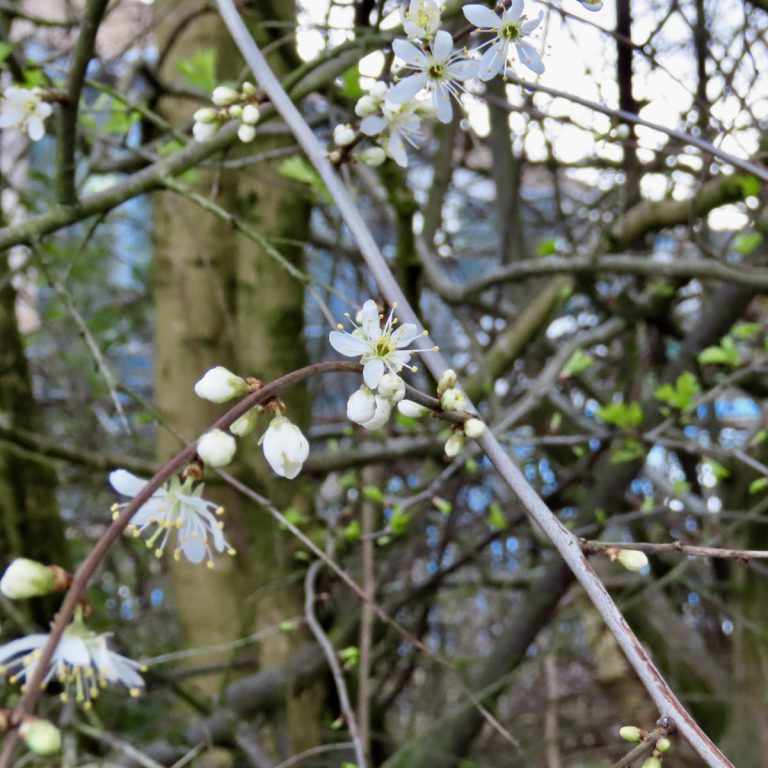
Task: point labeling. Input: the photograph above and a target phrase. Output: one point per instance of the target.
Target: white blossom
(453, 400)
(82, 663)
(474, 428)
(379, 349)
(343, 135)
(373, 156)
(246, 133)
(391, 387)
(216, 448)
(397, 125)
(177, 508)
(447, 380)
(366, 105)
(361, 405)
(25, 578)
(421, 19)
(381, 414)
(206, 115)
(285, 447)
(411, 409)
(454, 444)
(441, 70)
(224, 96)
(251, 114)
(220, 385)
(24, 108)
(509, 29)
(204, 131)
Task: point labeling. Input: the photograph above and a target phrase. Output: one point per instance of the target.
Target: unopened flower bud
(206, 115)
(652, 762)
(381, 414)
(411, 409)
(592, 5)
(373, 156)
(343, 135)
(632, 559)
(663, 745)
(246, 133)
(366, 105)
(285, 447)
(204, 131)
(220, 385)
(378, 90)
(251, 114)
(249, 89)
(447, 380)
(216, 448)
(236, 111)
(622, 132)
(243, 426)
(474, 428)
(224, 96)
(630, 733)
(391, 387)
(454, 444)
(41, 736)
(26, 578)
(453, 400)
(334, 157)
(361, 405)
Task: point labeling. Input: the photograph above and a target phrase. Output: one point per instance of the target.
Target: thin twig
(593, 547)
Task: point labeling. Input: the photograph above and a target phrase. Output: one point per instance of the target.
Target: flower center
(383, 346)
(437, 71)
(511, 31)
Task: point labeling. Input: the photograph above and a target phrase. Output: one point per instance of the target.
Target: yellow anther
(210, 565)
(135, 692)
(340, 326)
(220, 511)
(158, 553)
(231, 551)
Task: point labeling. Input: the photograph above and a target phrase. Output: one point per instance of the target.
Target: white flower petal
(515, 10)
(481, 17)
(396, 150)
(370, 320)
(443, 45)
(373, 370)
(530, 57)
(407, 88)
(405, 334)
(443, 104)
(409, 53)
(464, 69)
(346, 344)
(528, 26)
(125, 483)
(373, 125)
(491, 63)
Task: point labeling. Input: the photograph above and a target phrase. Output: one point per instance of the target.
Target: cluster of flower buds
(25, 108)
(371, 410)
(285, 447)
(453, 400)
(635, 735)
(229, 104)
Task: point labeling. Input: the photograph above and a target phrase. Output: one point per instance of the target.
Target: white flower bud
(663, 745)
(26, 578)
(361, 405)
(632, 559)
(224, 96)
(243, 426)
(343, 135)
(216, 448)
(285, 447)
(454, 444)
(220, 385)
(378, 90)
(41, 736)
(411, 409)
(204, 131)
(652, 762)
(373, 156)
(453, 400)
(630, 733)
(366, 105)
(246, 133)
(251, 114)
(249, 89)
(622, 132)
(206, 115)
(391, 387)
(236, 111)
(474, 428)
(381, 415)
(447, 380)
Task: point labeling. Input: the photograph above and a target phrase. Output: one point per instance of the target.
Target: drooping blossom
(285, 447)
(379, 349)
(439, 69)
(82, 663)
(176, 509)
(509, 31)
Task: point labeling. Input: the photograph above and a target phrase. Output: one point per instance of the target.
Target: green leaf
(352, 531)
(298, 169)
(496, 519)
(579, 361)
(373, 493)
(746, 242)
(200, 69)
(5, 52)
(442, 506)
(622, 415)
(749, 185)
(758, 485)
(745, 330)
(726, 354)
(470, 466)
(350, 83)
(350, 655)
(628, 450)
(294, 517)
(682, 395)
(718, 470)
(288, 626)
(399, 521)
(547, 247)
